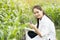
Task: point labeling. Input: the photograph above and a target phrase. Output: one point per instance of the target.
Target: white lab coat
(47, 30)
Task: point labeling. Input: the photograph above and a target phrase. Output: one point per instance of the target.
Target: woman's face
(38, 13)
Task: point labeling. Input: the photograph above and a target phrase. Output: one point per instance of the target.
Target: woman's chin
(37, 17)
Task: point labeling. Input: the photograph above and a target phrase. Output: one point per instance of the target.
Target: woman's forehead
(36, 9)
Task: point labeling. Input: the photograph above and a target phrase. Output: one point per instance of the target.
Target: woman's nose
(36, 14)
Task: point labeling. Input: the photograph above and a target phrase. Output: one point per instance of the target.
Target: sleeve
(44, 29)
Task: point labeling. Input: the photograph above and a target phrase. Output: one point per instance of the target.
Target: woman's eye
(34, 12)
(37, 12)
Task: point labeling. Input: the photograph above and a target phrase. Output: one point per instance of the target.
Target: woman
(45, 29)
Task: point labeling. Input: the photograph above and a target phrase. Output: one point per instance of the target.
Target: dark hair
(38, 7)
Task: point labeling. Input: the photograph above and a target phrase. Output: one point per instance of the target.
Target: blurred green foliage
(14, 14)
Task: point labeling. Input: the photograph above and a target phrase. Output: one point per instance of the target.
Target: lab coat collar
(43, 18)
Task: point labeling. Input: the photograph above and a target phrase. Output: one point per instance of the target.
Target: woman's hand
(36, 30)
(32, 25)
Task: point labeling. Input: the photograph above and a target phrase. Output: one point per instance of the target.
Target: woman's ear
(42, 10)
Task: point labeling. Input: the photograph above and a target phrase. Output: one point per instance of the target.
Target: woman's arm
(36, 30)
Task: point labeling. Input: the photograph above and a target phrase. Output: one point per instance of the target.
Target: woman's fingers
(31, 25)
